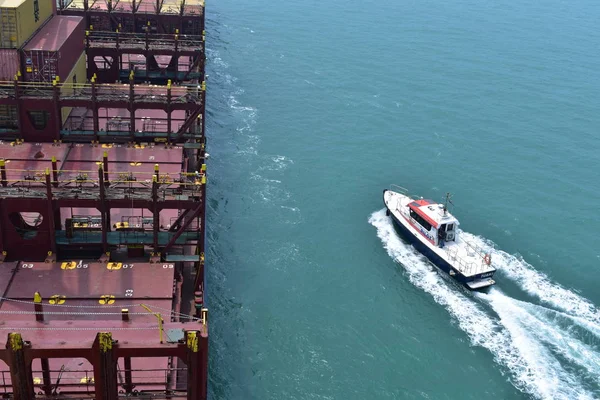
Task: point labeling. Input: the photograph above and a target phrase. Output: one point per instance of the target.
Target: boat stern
(480, 284)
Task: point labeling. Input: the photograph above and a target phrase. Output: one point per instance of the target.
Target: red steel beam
(51, 222)
(188, 123)
(1, 234)
(103, 221)
(20, 369)
(105, 368)
(185, 225)
(197, 363)
(155, 212)
(178, 220)
(46, 376)
(104, 352)
(111, 204)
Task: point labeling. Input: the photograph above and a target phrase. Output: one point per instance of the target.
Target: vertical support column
(201, 240)
(20, 369)
(57, 219)
(3, 173)
(134, 19)
(95, 115)
(52, 227)
(46, 377)
(57, 108)
(103, 221)
(39, 317)
(197, 364)
(169, 122)
(131, 105)
(128, 380)
(105, 167)
(155, 211)
(105, 368)
(54, 172)
(18, 101)
(1, 236)
(38, 307)
(204, 357)
(118, 56)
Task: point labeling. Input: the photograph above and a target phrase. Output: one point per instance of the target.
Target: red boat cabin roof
(431, 212)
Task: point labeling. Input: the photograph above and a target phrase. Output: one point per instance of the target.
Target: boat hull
(470, 282)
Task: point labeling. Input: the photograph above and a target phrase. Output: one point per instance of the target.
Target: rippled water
(314, 108)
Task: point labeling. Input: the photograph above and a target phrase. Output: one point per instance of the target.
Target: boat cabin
(434, 221)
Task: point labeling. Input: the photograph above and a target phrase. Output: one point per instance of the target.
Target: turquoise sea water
(314, 107)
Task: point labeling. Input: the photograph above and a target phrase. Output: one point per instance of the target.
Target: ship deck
(83, 297)
(102, 205)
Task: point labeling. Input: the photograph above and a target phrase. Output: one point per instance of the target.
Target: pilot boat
(433, 231)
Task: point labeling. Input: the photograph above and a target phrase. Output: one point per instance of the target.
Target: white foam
(276, 163)
(537, 283)
(533, 368)
(544, 330)
(589, 326)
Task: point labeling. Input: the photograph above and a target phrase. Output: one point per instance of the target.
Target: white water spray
(533, 367)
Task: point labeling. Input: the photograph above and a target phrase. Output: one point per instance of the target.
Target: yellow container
(19, 19)
(77, 76)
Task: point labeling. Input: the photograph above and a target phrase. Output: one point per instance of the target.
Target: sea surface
(314, 107)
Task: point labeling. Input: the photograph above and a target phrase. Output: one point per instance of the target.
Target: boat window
(420, 220)
(450, 227)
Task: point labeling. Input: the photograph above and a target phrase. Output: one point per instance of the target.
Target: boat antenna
(447, 201)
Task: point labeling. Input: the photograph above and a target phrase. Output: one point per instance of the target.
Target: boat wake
(549, 354)
(538, 284)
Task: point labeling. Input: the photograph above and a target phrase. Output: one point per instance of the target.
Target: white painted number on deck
(129, 293)
(27, 266)
(165, 266)
(127, 266)
(81, 264)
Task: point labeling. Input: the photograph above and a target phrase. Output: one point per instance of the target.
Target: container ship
(102, 199)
